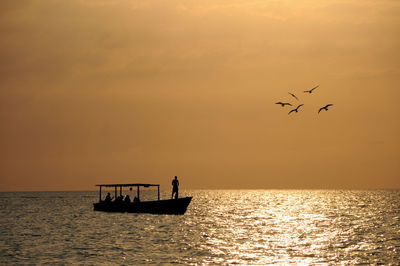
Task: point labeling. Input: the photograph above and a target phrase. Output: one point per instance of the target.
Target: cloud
(70, 40)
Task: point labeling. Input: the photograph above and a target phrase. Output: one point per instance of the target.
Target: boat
(169, 206)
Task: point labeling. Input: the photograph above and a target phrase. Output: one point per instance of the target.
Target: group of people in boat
(127, 199)
(120, 198)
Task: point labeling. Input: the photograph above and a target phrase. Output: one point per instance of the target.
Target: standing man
(175, 185)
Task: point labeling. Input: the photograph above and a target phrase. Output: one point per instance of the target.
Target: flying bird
(293, 95)
(310, 91)
(296, 109)
(324, 108)
(283, 104)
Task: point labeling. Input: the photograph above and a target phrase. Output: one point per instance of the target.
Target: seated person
(119, 198)
(108, 197)
(127, 199)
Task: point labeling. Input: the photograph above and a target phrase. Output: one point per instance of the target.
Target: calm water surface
(226, 227)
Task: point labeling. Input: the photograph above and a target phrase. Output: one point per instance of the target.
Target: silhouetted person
(127, 199)
(119, 198)
(136, 199)
(108, 197)
(175, 185)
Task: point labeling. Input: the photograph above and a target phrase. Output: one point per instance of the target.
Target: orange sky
(108, 91)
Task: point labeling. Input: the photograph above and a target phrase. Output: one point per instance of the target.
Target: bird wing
(308, 91)
(314, 88)
(320, 109)
(278, 103)
(291, 111)
(288, 104)
(293, 95)
(300, 105)
(328, 105)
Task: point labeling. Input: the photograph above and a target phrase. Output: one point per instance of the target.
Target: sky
(118, 91)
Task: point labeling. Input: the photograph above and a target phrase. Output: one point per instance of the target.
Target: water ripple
(220, 227)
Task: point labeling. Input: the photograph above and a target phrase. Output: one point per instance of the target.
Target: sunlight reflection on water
(227, 226)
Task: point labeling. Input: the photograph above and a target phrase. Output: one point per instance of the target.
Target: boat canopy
(138, 185)
(128, 185)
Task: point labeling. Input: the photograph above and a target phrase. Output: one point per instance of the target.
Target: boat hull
(172, 206)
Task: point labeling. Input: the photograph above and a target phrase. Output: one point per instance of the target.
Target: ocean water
(220, 227)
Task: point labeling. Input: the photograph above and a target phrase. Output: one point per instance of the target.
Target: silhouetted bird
(283, 104)
(296, 109)
(324, 108)
(293, 95)
(312, 89)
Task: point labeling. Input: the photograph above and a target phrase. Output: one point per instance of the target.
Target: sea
(220, 227)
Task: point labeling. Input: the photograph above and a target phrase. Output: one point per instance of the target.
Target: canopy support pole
(138, 192)
(158, 190)
(100, 195)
